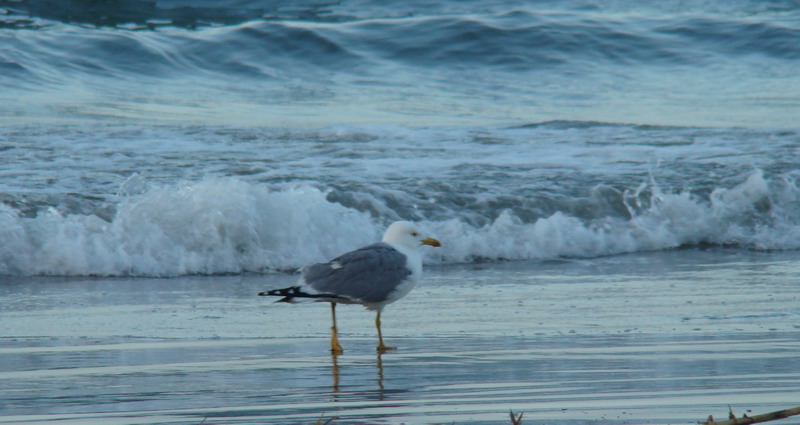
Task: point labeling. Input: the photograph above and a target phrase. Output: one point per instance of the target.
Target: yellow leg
(336, 348)
(381, 348)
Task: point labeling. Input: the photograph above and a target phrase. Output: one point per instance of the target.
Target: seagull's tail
(291, 293)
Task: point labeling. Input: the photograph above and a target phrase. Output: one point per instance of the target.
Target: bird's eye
(414, 234)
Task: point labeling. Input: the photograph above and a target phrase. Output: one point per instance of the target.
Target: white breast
(413, 262)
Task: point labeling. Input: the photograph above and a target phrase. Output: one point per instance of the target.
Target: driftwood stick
(744, 420)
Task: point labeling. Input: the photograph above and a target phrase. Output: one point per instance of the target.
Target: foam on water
(212, 226)
(741, 216)
(227, 225)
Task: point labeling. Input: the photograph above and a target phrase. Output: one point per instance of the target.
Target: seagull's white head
(407, 235)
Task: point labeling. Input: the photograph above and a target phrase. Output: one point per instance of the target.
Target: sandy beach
(667, 337)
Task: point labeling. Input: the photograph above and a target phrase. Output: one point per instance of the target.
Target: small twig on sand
(515, 420)
(744, 420)
(319, 421)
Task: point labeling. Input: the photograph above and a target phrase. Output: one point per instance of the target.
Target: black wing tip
(290, 292)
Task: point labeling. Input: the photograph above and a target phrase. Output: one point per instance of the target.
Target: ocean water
(170, 138)
(616, 186)
(130, 201)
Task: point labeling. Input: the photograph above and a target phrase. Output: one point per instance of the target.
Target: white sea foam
(213, 226)
(227, 225)
(751, 215)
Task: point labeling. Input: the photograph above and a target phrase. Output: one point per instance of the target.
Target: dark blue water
(311, 63)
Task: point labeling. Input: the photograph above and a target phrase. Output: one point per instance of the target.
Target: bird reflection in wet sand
(379, 364)
(335, 373)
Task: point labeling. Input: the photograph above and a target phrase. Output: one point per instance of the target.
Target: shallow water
(665, 337)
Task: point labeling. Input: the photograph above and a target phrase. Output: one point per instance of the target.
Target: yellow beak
(431, 242)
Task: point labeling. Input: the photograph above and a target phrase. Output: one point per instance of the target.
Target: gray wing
(368, 274)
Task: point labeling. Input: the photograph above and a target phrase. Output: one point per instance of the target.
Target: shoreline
(659, 337)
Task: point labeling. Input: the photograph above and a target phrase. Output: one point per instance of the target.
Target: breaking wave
(227, 225)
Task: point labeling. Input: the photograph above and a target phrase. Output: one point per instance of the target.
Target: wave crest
(227, 225)
(210, 227)
(753, 214)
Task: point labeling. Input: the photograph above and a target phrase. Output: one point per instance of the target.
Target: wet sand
(665, 337)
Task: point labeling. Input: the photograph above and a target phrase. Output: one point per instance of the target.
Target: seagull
(373, 276)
